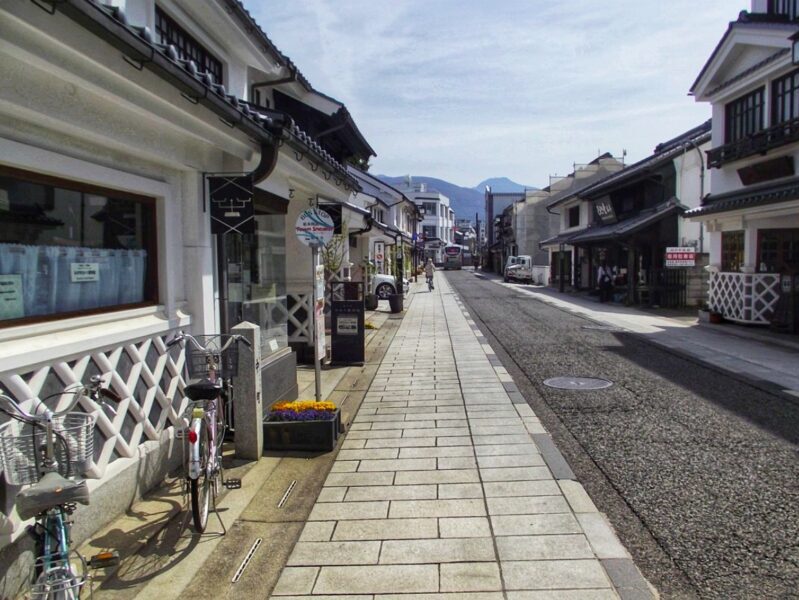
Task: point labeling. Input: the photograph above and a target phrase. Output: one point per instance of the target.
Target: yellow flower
(303, 405)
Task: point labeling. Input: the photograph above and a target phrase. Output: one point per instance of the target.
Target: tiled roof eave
(743, 199)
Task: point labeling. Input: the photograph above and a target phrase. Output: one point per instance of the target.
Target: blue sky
(470, 89)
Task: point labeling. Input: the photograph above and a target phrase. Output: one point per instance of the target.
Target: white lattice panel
(726, 295)
(299, 316)
(149, 379)
(744, 297)
(764, 296)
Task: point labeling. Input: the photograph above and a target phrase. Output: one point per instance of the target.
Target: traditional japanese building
(751, 215)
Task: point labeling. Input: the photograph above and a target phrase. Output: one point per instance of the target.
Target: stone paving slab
(443, 488)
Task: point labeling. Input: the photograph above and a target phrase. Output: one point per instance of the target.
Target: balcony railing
(755, 143)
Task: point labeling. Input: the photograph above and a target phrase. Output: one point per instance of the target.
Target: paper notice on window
(11, 306)
(83, 272)
(273, 345)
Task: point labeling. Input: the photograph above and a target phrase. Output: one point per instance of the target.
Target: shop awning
(561, 238)
(628, 227)
(748, 198)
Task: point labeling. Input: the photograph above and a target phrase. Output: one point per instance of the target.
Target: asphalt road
(698, 472)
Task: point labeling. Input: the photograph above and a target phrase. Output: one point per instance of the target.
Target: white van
(519, 268)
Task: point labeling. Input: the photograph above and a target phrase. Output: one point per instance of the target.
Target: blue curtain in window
(46, 274)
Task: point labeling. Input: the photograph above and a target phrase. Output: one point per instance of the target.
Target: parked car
(384, 285)
(519, 268)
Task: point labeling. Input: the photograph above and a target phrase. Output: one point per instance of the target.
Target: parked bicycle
(48, 452)
(213, 362)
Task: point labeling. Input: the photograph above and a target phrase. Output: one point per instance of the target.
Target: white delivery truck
(519, 268)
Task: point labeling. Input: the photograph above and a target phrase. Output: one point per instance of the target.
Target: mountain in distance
(466, 202)
(502, 185)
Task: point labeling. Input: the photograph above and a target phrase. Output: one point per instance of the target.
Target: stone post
(247, 398)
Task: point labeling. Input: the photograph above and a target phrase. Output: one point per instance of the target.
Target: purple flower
(306, 415)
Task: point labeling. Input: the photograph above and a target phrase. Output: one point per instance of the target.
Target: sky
(464, 90)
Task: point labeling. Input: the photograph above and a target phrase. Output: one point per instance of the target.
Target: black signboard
(604, 210)
(347, 322)
(231, 204)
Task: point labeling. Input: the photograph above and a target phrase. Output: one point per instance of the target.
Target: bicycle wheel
(200, 488)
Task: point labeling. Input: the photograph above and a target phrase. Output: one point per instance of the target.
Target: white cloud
(469, 89)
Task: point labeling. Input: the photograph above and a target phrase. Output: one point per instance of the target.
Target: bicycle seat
(52, 490)
(205, 389)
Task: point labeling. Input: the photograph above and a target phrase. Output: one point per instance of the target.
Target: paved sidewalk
(447, 486)
(768, 360)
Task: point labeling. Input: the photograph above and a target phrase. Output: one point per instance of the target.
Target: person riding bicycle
(429, 269)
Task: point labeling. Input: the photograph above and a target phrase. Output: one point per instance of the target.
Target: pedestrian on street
(429, 269)
(604, 279)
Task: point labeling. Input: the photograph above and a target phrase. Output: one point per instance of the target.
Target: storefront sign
(680, 257)
(347, 325)
(83, 272)
(314, 227)
(11, 306)
(604, 209)
(231, 204)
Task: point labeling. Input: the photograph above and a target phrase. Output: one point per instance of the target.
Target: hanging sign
(604, 209)
(680, 257)
(314, 227)
(231, 204)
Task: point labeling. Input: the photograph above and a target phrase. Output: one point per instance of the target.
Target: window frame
(742, 120)
(779, 92)
(732, 243)
(572, 211)
(784, 8)
(187, 46)
(152, 278)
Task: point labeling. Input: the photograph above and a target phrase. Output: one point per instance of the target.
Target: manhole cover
(578, 383)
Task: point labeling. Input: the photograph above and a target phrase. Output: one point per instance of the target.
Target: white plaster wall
(692, 183)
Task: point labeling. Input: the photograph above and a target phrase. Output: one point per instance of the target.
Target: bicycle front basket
(22, 447)
(197, 361)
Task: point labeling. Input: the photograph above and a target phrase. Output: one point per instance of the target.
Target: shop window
(68, 249)
(778, 250)
(744, 116)
(732, 251)
(256, 273)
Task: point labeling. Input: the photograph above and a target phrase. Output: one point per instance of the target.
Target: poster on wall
(11, 306)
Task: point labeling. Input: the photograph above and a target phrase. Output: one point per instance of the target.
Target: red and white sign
(681, 257)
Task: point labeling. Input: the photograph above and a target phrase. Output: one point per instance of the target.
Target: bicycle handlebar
(94, 389)
(187, 336)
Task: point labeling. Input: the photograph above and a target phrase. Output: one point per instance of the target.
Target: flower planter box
(302, 435)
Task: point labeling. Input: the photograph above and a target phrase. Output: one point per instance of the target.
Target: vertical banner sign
(314, 228)
(379, 256)
(231, 204)
(319, 311)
